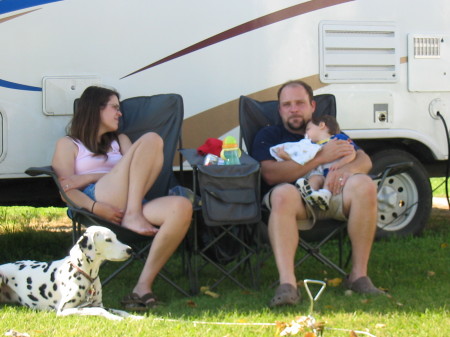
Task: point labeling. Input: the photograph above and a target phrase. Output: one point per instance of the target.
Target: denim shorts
(89, 190)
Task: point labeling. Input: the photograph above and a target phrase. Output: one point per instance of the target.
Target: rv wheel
(404, 200)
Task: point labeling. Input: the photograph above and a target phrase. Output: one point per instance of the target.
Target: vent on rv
(427, 47)
(358, 52)
(428, 62)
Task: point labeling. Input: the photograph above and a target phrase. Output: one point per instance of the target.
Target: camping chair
(224, 227)
(254, 115)
(162, 114)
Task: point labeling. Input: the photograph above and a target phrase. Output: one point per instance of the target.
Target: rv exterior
(387, 63)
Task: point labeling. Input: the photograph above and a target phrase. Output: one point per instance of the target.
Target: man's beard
(299, 127)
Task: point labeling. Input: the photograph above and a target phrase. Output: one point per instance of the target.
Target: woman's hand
(69, 183)
(108, 212)
(77, 181)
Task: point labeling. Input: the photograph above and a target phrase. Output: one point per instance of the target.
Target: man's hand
(333, 150)
(335, 180)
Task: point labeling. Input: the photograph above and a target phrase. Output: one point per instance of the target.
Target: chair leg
(140, 256)
(227, 273)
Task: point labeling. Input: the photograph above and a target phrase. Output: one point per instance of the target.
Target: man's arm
(274, 172)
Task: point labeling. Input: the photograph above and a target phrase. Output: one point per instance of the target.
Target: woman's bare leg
(174, 215)
(126, 185)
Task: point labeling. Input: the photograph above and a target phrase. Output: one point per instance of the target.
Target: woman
(103, 172)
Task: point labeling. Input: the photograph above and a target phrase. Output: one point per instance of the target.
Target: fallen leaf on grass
(191, 304)
(380, 325)
(334, 282)
(299, 324)
(365, 301)
(206, 291)
(444, 245)
(309, 334)
(431, 273)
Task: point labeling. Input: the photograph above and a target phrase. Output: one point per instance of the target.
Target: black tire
(404, 200)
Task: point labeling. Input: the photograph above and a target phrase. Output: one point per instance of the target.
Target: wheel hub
(397, 201)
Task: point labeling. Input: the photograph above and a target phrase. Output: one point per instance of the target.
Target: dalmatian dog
(70, 286)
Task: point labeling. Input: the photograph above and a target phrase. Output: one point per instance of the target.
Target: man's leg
(360, 204)
(286, 207)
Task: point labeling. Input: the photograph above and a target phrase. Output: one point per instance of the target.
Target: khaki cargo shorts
(336, 210)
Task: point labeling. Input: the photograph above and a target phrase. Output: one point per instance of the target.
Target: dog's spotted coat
(70, 286)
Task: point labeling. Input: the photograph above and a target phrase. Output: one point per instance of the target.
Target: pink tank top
(86, 163)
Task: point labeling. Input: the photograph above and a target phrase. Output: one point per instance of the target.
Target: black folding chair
(225, 225)
(254, 115)
(162, 114)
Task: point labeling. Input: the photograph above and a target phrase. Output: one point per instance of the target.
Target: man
(354, 194)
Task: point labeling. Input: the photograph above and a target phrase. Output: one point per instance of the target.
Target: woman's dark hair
(330, 122)
(86, 120)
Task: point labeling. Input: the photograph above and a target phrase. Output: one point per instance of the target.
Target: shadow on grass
(414, 271)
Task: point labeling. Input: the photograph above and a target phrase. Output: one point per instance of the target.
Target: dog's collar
(82, 272)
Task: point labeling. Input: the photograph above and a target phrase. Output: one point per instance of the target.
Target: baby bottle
(230, 151)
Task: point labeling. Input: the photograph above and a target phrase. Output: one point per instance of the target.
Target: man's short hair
(305, 85)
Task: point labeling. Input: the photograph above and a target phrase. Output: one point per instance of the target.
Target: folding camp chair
(254, 115)
(224, 226)
(162, 114)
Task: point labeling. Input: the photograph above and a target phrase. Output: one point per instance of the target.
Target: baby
(319, 131)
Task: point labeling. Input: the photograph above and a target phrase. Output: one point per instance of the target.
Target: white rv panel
(429, 62)
(59, 93)
(352, 52)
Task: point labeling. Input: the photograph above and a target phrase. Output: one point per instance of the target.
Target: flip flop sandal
(134, 302)
(362, 285)
(286, 294)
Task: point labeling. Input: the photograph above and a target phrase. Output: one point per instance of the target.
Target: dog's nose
(129, 251)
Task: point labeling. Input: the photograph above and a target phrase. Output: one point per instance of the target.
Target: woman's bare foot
(137, 223)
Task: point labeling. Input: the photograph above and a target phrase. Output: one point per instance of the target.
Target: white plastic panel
(354, 52)
(59, 93)
(1, 137)
(428, 62)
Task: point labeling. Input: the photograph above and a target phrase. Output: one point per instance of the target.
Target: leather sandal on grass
(362, 285)
(286, 294)
(134, 302)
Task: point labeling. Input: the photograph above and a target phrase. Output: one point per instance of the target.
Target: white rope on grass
(250, 324)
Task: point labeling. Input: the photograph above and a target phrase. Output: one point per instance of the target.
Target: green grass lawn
(414, 270)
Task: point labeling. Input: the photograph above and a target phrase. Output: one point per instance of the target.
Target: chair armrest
(48, 170)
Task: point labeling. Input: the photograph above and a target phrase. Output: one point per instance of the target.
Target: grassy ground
(415, 271)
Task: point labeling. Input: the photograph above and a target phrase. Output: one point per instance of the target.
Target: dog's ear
(86, 245)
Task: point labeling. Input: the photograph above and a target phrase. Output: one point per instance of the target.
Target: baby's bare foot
(138, 224)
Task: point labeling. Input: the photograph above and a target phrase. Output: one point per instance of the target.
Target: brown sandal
(362, 285)
(134, 302)
(286, 294)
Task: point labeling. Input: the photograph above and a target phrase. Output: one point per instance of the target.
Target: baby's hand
(282, 154)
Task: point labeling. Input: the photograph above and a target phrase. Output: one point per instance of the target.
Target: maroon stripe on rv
(263, 21)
